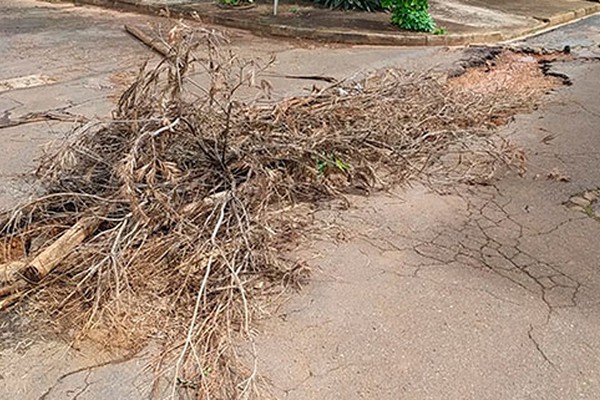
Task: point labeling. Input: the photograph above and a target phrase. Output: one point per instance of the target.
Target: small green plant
(331, 161)
(364, 5)
(412, 15)
(294, 9)
(440, 31)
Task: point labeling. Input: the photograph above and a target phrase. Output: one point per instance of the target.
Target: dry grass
(197, 195)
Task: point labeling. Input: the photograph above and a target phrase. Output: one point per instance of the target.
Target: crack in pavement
(537, 276)
(512, 241)
(88, 369)
(85, 388)
(539, 348)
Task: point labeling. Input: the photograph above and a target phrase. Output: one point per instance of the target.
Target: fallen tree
(172, 219)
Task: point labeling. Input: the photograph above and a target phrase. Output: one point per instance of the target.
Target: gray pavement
(490, 293)
(583, 37)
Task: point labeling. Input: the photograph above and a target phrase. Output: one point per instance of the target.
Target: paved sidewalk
(466, 21)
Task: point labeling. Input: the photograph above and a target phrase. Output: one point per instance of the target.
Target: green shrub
(410, 14)
(365, 5)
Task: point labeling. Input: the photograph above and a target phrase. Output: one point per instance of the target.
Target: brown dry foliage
(198, 193)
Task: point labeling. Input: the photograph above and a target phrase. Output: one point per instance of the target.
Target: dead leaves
(558, 176)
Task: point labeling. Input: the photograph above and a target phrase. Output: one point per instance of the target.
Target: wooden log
(154, 43)
(15, 276)
(52, 255)
(9, 301)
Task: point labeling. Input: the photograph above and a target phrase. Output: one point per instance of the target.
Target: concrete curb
(568, 16)
(343, 36)
(355, 37)
(547, 24)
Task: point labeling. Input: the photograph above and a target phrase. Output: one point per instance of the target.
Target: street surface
(490, 294)
(493, 294)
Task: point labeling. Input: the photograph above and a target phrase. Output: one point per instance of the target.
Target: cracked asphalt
(491, 292)
(484, 293)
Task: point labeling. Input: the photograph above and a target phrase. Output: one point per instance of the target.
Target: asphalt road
(412, 321)
(489, 293)
(77, 59)
(582, 36)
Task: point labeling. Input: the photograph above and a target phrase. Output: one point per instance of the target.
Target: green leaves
(331, 161)
(235, 3)
(440, 31)
(412, 15)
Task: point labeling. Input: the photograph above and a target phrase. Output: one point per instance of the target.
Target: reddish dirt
(513, 73)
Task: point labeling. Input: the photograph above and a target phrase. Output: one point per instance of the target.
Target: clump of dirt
(173, 219)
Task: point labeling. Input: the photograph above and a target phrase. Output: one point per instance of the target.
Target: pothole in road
(487, 71)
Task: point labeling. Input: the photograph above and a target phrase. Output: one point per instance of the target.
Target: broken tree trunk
(52, 255)
(154, 43)
(16, 275)
(9, 300)
(15, 287)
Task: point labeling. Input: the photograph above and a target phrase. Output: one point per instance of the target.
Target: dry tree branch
(196, 196)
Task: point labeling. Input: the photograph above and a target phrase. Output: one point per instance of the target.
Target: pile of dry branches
(169, 220)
